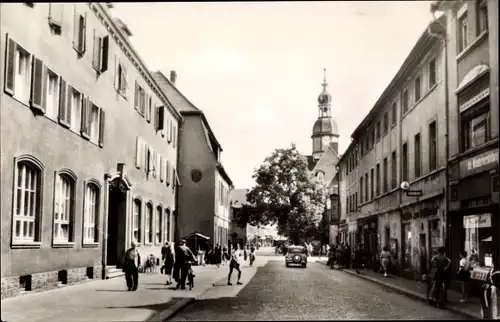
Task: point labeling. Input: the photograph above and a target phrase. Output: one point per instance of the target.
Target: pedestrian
(235, 265)
(201, 256)
(225, 255)
(358, 258)
(385, 259)
(252, 255)
(131, 266)
(348, 256)
(245, 254)
(464, 275)
(183, 257)
(168, 262)
(218, 255)
(490, 298)
(440, 264)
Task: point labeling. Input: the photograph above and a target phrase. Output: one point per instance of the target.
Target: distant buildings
(89, 147)
(204, 194)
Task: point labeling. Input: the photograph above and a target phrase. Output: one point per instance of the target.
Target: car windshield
(296, 250)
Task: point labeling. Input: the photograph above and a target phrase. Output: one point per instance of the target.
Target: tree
(286, 193)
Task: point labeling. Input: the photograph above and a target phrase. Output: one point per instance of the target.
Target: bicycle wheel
(440, 295)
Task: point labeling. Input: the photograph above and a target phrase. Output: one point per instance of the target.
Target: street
(317, 292)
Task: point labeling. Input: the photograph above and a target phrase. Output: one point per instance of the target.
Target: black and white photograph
(249, 161)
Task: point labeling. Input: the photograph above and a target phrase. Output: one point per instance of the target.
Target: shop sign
(485, 93)
(478, 163)
(477, 221)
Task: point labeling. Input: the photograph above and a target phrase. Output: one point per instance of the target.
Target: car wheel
(287, 265)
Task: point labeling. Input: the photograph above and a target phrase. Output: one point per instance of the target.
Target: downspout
(446, 215)
(177, 190)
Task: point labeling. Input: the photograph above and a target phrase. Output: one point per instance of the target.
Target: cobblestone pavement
(280, 293)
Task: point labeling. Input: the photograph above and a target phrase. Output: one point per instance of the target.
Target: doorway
(117, 212)
(423, 253)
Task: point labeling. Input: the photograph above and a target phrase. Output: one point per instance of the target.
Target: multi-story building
(472, 40)
(204, 200)
(85, 146)
(401, 140)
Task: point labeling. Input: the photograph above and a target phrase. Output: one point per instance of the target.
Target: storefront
(368, 237)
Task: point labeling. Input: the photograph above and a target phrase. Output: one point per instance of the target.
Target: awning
(196, 235)
(472, 75)
(488, 239)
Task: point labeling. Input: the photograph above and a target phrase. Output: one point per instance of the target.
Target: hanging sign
(477, 221)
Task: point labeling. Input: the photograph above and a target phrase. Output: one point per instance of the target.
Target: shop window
(407, 245)
(475, 127)
(479, 239)
(435, 232)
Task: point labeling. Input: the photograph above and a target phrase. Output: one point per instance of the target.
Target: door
(115, 244)
(423, 253)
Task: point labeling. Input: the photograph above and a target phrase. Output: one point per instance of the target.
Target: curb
(179, 304)
(416, 295)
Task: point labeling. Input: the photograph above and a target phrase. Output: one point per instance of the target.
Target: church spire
(325, 84)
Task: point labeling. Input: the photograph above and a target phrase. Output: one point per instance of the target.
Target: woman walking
(358, 258)
(489, 301)
(385, 259)
(464, 275)
(218, 255)
(168, 263)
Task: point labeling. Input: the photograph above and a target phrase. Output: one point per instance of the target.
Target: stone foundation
(47, 280)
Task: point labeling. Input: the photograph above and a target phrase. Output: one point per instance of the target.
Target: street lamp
(443, 35)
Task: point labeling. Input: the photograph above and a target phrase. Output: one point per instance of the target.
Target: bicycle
(437, 293)
(190, 276)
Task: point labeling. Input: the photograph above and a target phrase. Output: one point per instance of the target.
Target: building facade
(204, 194)
(473, 129)
(77, 188)
(401, 140)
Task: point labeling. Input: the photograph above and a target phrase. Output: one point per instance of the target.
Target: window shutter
(138, 153)
(102, 122)
(96, 56)
(124, 79)
(10, 64)
(167, 173)
(104, 53)
(62, 102)
(148, 109)
(37, 85)
(174, 134)
(117, 73)
(160, 118)
(162, 169)
(154, 163)
(69, 98)
(86, 108)
(136, 96)
(76, 30)
(169, 131)
(174, 179)
(83, 30)
(149, 160)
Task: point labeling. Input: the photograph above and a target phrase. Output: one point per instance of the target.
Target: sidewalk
(471, 309)
(109, 300)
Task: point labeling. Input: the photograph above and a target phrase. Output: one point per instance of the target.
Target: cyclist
(440, 264)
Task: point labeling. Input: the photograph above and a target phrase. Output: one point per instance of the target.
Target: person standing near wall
(131, 266)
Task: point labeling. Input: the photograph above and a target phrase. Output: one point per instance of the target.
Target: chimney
(173, 77)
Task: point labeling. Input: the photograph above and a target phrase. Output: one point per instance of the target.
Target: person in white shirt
(131, 266)
(464, 275)
(235, 264)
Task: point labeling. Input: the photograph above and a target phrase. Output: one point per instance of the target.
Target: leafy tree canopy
(286, 193)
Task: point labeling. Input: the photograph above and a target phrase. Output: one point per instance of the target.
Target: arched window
(91, 213)
(64, 206)
(168, 219)
(136, 229)
(27, 201)
(159, 225)
(149, 224)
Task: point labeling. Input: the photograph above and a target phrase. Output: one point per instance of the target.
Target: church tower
(325, 130)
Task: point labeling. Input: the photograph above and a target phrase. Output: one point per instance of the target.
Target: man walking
(131, 266)
(185, 255)
(234, 265)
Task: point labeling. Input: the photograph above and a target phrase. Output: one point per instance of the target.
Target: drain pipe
(445, 38)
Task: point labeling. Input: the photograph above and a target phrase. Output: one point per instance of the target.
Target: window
(394, 170)
(432, 72)
(372, 138)
(56, 17)
(378, 179)
(394, 110)
(482, 16)
(480, 239)
(80, 32)
(384, 174)
(167, 215)
(52, 95)
(91, 214)
(372, 184)
(159, 225)
(160, 120)
(361, 190)
(367, 191)
(136, 229)
(100, 53)
(386, 123)
(75, 110)
(348, 208)
(475, 127)
(94, 123)
(462, 32)
(417, 166)
(27, 198)
(377, 131)
(174, 139)
(121, 84)
(149, 109)
(355, 200)
(18, 78)
(405, 101)
(418, 93)
(432, 146)
(140, 100)
(148, 232)
(63, 208)
(404, 160)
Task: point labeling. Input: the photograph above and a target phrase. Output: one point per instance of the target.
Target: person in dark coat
(131, 267)
(183, 256)
(168, 262)
(218, 255)
(358, 258)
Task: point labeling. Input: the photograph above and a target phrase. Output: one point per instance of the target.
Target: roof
(410, 61)
(327, 163)
(224, 174)
(351, 146)
(325, 125)
(182, 103)
(238, 197)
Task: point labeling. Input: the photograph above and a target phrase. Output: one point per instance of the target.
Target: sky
(256, 68)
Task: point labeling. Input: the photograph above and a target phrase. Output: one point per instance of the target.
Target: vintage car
(296, 255)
